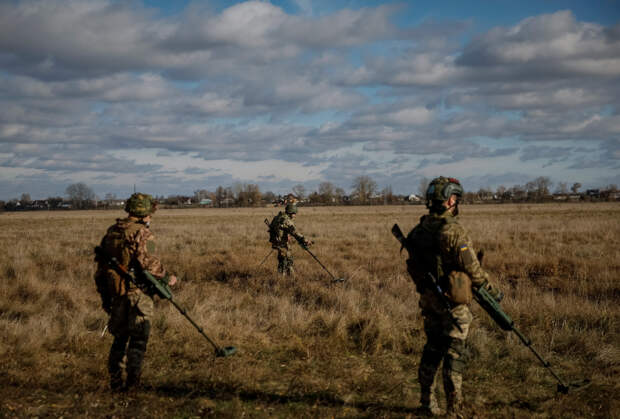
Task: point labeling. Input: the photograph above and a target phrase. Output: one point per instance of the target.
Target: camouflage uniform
(129, 307)
(441, 246)
(282, 231)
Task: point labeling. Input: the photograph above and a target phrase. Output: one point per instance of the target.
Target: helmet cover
(440, 189)
(140, 205)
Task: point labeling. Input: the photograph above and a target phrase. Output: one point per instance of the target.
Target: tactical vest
(424, 241)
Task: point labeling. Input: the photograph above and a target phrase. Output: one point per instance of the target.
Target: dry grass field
(307, 347)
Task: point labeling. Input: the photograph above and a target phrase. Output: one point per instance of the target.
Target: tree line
(364, 191)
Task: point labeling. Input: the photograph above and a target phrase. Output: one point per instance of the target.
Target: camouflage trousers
(130, 324)
(444, 343)
(285, 261)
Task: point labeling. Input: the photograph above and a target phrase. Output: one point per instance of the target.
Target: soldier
(441, 248)
(130, 308)
(281, 232)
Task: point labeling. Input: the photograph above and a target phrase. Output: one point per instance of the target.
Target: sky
(173, 97)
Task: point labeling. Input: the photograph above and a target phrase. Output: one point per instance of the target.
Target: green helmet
(290, 209)
(140, 205)
(440, 189)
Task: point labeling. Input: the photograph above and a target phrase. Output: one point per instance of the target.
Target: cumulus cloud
(255, 86)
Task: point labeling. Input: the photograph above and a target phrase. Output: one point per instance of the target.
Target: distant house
(413, 198)
(206, 202)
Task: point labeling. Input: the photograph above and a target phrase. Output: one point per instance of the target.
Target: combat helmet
(290, 208)
(140, 205)
(439, 191)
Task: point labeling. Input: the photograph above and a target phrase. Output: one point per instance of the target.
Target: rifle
(150, 284)
(430, 278)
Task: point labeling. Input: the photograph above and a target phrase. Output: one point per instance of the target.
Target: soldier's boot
(115, 362)
(290, 271)
(133, 380)
(453, 367)
(427, 373)
(454, 399)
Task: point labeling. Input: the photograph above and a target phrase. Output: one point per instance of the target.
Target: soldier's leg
(140, 328)
(281, 260)
(117, 325)
(432, 354)
(455, 359)
(115, 361)
(289, 263)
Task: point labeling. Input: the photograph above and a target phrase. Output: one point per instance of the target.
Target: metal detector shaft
(527, 342)
(183, 311)
(319, 262)
(268, 254)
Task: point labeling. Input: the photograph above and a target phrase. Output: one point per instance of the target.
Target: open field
(307, 347)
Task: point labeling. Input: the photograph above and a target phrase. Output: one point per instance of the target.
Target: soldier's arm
(147, 262)
(290, 229)
(466, 259)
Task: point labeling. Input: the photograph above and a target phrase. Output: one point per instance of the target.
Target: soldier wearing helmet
(130, 241)
(441, 247)
(281, 232)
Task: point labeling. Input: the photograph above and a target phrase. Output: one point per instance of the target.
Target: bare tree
(339, 194)
(363, 188)
(423, 186)
(299, 191)
(253, 195)
(543, 184)
(562, 188)
(268, 197)
(388, 195)
(80, 195)
(326, 191)
(25, 199)
(575, 187)
(220, 196)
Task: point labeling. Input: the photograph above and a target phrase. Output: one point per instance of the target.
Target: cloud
(549, 46)
(234, 94)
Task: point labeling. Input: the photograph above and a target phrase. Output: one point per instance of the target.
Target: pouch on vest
(459, 288)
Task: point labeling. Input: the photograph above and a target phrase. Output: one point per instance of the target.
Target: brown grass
(308, 347)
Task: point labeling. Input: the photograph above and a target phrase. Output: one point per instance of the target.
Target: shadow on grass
(224, 391)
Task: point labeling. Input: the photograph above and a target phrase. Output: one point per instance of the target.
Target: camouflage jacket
(441, 245)
(129, 241)
(282, 229)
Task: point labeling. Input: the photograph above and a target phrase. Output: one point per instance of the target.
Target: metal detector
(334, 279)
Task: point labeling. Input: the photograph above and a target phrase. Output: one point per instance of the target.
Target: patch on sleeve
(467, 255)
